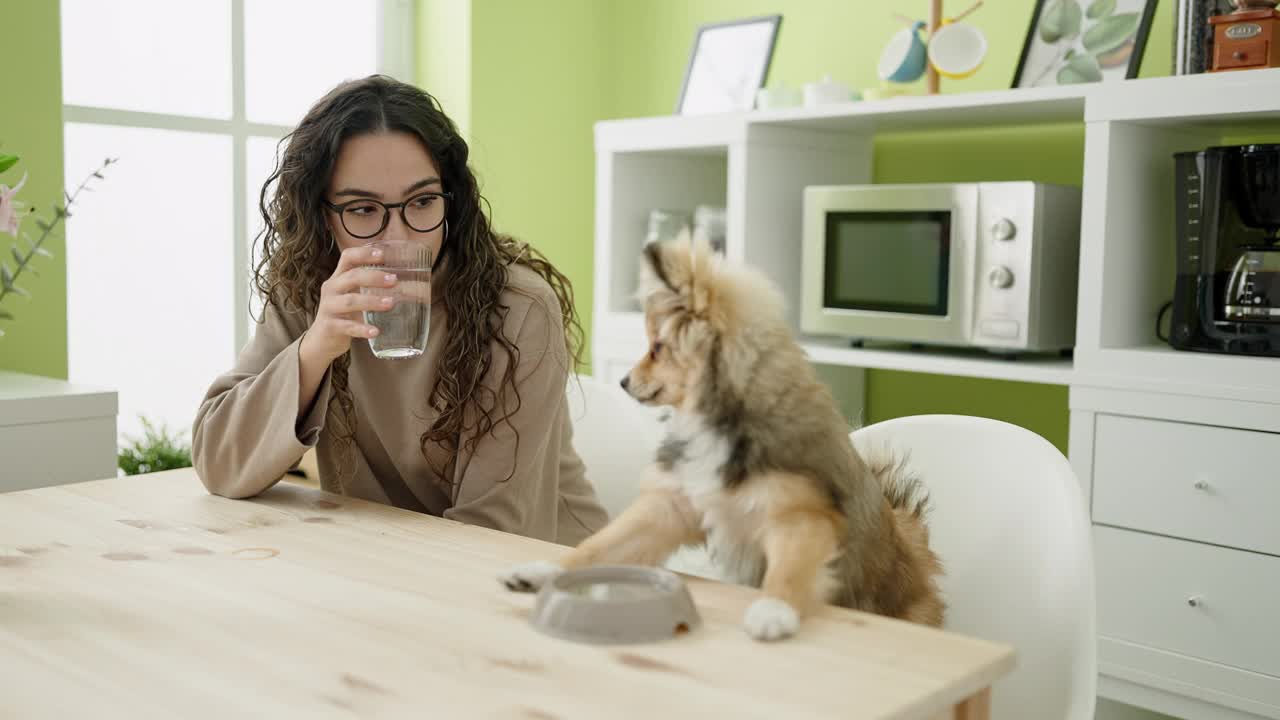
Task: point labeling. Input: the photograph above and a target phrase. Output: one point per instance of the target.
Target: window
(193, 98)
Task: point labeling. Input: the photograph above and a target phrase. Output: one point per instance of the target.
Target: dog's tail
(902, 487)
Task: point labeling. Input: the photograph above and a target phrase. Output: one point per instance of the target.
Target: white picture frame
(728, 64)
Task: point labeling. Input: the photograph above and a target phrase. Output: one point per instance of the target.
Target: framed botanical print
(1083, 41)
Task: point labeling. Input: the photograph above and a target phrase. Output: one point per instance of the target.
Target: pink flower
(9, 218)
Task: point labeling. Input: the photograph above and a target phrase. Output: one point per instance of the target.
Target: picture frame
(1083, 41)
(729, 62)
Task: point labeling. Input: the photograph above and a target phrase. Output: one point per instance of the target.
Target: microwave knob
(1003, 229)
(1000, 277)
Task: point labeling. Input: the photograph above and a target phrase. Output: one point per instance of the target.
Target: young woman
(476, 429)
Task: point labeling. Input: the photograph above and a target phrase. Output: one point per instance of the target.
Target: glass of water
(402, 330)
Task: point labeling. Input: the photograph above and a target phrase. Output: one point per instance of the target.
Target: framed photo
(728, 64)
(1083, 41)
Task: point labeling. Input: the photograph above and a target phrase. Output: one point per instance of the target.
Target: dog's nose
(626, 382)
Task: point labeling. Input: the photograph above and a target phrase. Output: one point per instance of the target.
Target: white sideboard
(1178, 452)
(54, 432)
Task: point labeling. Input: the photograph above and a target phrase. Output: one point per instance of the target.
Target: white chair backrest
(615, 436)
(1008, 520)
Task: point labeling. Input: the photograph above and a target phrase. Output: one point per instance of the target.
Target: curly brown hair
(296, 255)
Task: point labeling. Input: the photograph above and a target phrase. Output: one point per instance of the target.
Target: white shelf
(1214, 98)
(962, 363)
(1159, 368)
(622, 334)
(1208, 100)
(1025, 106)
(757, 163)
(686, 135)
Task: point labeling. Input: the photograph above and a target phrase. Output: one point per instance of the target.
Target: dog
(757, 462)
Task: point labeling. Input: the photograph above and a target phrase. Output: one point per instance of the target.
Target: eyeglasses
(364, 218)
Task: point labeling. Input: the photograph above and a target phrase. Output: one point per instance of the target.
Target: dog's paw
(771, 619)
(531, 576)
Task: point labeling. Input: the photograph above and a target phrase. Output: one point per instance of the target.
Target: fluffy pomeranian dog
(757, 462)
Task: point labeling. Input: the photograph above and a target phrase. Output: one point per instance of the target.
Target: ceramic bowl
(615, 604)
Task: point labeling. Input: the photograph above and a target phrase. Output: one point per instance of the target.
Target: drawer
(1241, 54)
(1199, 482)
(1199, 600)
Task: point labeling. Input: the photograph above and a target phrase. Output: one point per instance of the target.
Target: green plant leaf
(17, 254)
(1100, 9)
(1110, 33)
(6, 315)
(6, 277)
(7, 161)
(1080, 69)
(1061, 19)
(20, 290)
(43, 225)
(42, 252)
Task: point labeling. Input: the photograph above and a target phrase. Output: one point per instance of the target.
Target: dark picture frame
(729, 62)
(1084, 41)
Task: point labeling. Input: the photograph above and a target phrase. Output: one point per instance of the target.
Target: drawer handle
(1202, 486)
(1195, 601)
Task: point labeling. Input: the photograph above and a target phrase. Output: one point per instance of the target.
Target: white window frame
(396, 57)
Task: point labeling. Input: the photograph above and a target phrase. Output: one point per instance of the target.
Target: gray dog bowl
(615, 604)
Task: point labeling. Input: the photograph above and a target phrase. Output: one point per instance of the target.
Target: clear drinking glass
(402, 330)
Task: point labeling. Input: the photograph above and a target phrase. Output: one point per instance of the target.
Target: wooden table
(146, 597)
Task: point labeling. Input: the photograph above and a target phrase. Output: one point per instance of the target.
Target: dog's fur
(757, 461)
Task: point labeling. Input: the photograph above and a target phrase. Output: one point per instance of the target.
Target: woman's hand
(338, 317)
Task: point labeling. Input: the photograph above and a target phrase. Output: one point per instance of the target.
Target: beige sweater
(247, 433)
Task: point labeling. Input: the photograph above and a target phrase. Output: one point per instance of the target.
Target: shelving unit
(1133, 398)
(756, 164)
(964, 363)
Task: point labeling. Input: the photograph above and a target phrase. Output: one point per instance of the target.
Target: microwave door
(895, 264)
(895, 261)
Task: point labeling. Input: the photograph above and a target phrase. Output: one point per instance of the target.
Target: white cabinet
(53, 432)
(1187, 549)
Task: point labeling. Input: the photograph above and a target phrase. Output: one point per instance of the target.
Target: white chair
(1008, 520)
(617, 437)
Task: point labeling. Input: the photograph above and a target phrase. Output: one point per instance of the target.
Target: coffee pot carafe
(1227, 290)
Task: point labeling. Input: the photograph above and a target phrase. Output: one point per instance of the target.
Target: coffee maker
(1227, 291)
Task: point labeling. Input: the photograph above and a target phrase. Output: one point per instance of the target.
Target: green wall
(526, 82)
(540, 80)
(543, 73)
(839, 38)
(444, 56)
(31, 126)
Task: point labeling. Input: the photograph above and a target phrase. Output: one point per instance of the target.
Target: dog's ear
(653, 271)
(700, 262)
(683, 266)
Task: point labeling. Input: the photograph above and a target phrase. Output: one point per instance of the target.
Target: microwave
(989, 265)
